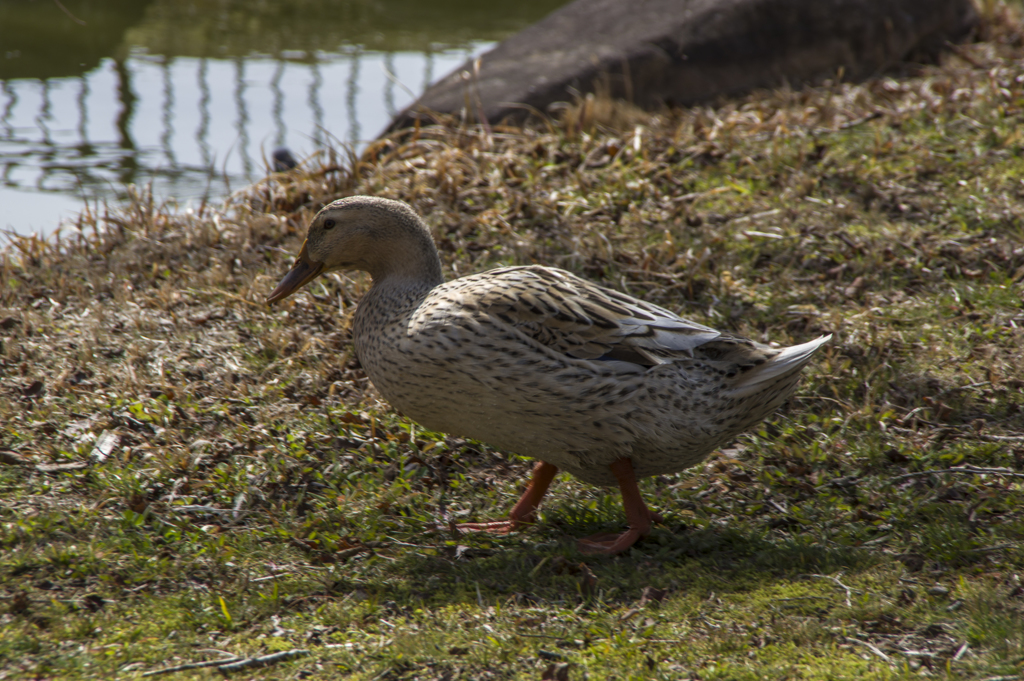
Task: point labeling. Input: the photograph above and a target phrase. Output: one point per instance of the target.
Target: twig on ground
(973, 470)
(274, 576)
(192, 665)
(872, 648)
(57, 467)
(997, 547)
(917, 653)
(953, 431)
(234, 664)
(226, 294)
(863, 119)
(197, 508)
(262, 661)
(847, 589)
(1001, 438)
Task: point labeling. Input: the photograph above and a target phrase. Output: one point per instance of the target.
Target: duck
(538, 361)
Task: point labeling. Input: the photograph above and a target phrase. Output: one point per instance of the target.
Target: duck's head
(383, 237)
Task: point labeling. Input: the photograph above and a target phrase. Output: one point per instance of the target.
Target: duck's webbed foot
(640, 517)
(523, 512)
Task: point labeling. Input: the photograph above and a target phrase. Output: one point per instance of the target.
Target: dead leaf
(651, 594)
(854, 288)
(20, 603)
(556, 672)
(12, 459)
(588, 580)
(33, 389)
(138, 502)
(629, 614)
(93, 602)
(940, 409)
(105, 444)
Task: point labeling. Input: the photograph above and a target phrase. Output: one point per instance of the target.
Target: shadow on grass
(487, 571)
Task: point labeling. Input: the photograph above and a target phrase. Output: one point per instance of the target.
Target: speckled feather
(538, 361)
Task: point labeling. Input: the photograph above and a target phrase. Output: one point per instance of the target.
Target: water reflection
(193, 96)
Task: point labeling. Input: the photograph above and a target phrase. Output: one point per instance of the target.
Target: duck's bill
(303, 272)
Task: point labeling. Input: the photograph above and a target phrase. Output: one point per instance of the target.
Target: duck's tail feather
(788, 362)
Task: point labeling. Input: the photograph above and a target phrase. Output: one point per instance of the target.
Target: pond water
(193, 96)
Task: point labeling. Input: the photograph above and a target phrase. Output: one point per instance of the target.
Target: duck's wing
(579, 319)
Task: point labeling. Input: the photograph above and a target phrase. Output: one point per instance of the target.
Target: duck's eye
(329, 223)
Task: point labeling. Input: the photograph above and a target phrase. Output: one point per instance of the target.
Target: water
(192, 96)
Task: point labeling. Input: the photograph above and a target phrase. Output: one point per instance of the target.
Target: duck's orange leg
(522, 512)
(639, 516)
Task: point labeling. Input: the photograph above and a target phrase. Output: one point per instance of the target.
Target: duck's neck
(401, 281)
(395, 295)
(399, 287)
(411, 261)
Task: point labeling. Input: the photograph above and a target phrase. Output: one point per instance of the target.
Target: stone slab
(683, 52)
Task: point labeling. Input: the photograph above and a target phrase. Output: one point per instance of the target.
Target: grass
(187, 473)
